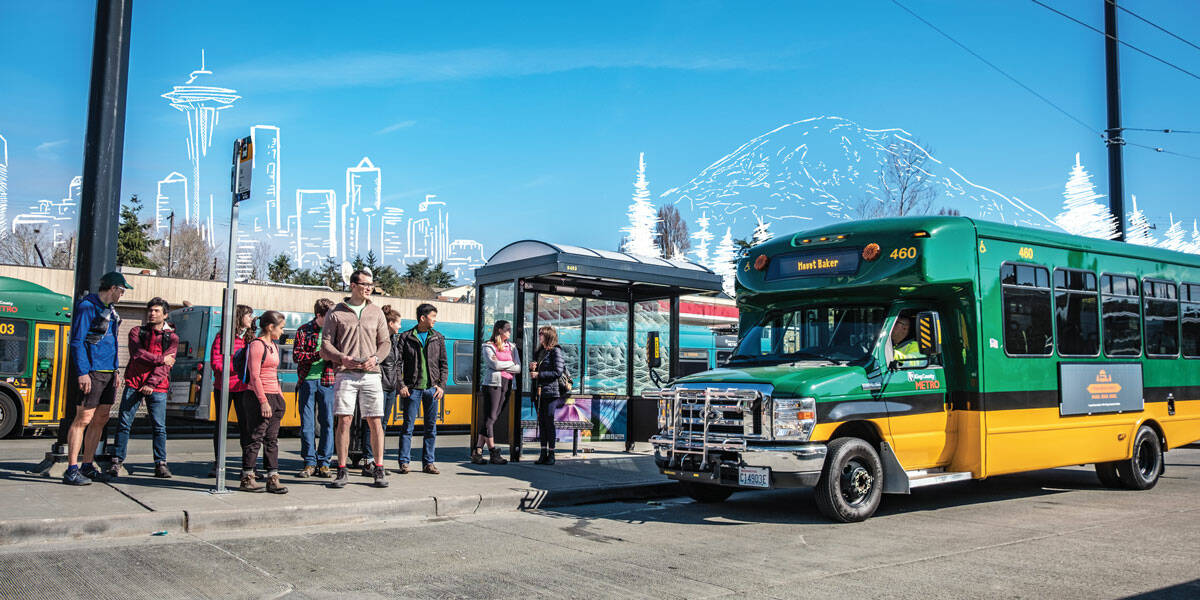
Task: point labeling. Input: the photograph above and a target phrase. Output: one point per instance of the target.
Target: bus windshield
(835, 333)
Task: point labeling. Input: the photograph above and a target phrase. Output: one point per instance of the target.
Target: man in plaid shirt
(314, 393)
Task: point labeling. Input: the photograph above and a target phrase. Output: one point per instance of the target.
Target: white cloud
(49, 150)
(383, 69)
(396, 127)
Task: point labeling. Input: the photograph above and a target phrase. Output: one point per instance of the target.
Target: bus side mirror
(653, 350)
(929, 333)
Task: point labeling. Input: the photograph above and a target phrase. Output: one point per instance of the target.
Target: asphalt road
(1049, 534)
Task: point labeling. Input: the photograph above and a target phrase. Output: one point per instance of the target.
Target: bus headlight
(793, 418)
(664, 413)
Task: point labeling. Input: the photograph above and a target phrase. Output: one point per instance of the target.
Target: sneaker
(477, 457)
(380, 477)
(368, 469)
(249, 484)
(496, 459)
(161, 471)
(324, 472)
(273, 485)
(343, 477)
(403, 470)
(306, 472)
(75, 477)
(114, 469)
(429, 468)
(91, 472)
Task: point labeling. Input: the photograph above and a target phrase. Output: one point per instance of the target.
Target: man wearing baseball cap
(94, 327)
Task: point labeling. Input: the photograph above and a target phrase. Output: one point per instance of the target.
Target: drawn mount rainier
(818, 170)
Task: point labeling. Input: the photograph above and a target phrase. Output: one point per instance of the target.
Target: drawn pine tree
(703, 238)
(1081, 214)
(1138, 229)
(725, 261)
(1195, 238)
(762, 233)
(643, 216)
(1174, 238)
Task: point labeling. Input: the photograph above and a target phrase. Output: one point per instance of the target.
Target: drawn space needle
(202, 105)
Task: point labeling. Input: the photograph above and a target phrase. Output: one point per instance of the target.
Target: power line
(1122, 42)
(1153, 24)
(1160, 130)
(998, 69)
(1161, 150)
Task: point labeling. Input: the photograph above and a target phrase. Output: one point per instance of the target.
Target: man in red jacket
(152, 348)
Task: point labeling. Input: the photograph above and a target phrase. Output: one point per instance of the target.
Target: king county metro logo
(1104, 388)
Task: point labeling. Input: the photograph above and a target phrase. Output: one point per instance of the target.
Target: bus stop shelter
(604, 306)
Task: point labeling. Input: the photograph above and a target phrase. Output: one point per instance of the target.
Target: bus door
(914, 390)
(49, 372)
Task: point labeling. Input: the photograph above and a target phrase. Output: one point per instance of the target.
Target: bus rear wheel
(706, 494)
(9, 416)
(1140, 471)
(851, 483)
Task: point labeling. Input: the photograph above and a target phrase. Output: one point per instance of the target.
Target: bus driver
(904, 345)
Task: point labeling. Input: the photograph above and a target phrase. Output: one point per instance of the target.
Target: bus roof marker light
(870, 252)
(760, 263)
(824, 238)
(920, 234)
(841, 237)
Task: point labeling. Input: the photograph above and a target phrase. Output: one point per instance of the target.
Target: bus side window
(1119, 311)
(14, 346)
(464, 351)
(1160, 316)
(1028, 315)
(1190, 341)
(1077, 312)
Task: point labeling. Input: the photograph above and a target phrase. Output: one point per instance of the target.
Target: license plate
(757, 477)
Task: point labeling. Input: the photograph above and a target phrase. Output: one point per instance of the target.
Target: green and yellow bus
(1029, 350)
(34, 326)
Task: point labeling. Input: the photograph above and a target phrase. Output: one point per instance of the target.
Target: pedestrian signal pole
(243, 155)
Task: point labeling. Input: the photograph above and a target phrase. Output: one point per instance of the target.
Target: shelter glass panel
(499, 303)
(607, 347)
(652, 315)
(564, 314)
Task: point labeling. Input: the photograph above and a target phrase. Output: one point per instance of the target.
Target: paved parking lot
(1049, 534)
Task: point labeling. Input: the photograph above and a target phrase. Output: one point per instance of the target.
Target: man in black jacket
(423, 384)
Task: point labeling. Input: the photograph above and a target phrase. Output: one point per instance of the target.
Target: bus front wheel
(851, 484)
(10, 418)
(1140, 471)
(1107, 473)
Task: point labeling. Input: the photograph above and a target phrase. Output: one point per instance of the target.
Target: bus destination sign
(839, 261)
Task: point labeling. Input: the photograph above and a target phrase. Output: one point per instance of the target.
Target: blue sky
(527, 119)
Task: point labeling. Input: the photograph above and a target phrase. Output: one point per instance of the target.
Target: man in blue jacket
(94, 327)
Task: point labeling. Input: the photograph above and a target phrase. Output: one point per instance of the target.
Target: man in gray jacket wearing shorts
(356, 339)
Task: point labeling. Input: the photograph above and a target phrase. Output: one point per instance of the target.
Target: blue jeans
(316, 400)
(156, 408)
(368, 452)
(428, 403)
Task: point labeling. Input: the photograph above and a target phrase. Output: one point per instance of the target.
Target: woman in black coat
(549, 363)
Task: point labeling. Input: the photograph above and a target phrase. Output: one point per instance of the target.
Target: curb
(18, 531)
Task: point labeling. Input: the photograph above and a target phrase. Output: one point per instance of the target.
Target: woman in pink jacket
(263, 405)
(243, 324)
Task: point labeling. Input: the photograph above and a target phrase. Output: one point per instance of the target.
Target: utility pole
(170, 241)
(1114, 135)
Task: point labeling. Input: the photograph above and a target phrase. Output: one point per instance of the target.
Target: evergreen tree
(762, 233)
(703, 238)
(643, 217)
(330, 274)
(133, 237)
(280, 269)
(1138, 230)
(1195, 238)
(1081, 214)
(725, 262)
(420, 273)
(1174, 238)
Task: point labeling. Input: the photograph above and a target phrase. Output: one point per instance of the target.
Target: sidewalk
(37, 509)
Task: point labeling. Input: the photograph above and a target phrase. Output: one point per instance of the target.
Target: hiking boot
(273, 485)
(249, 484)
(550, 457)
(343, 477)
(429, 468)
(368, 469)
(161, 471)
(91, 472)
(75, 477)
(496, 459)
(541, 458)
(114, 469)
(380, 477)
(306, 472)
(403, 470)
(477, 457)
(324, 472)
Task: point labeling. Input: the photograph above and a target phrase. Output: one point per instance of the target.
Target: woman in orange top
(264, 407)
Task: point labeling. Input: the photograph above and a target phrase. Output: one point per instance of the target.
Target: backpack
(238, 362)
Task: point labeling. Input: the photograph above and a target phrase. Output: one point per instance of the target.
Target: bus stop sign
(243, 165)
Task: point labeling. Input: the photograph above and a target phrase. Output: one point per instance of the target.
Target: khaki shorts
(363, 389)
